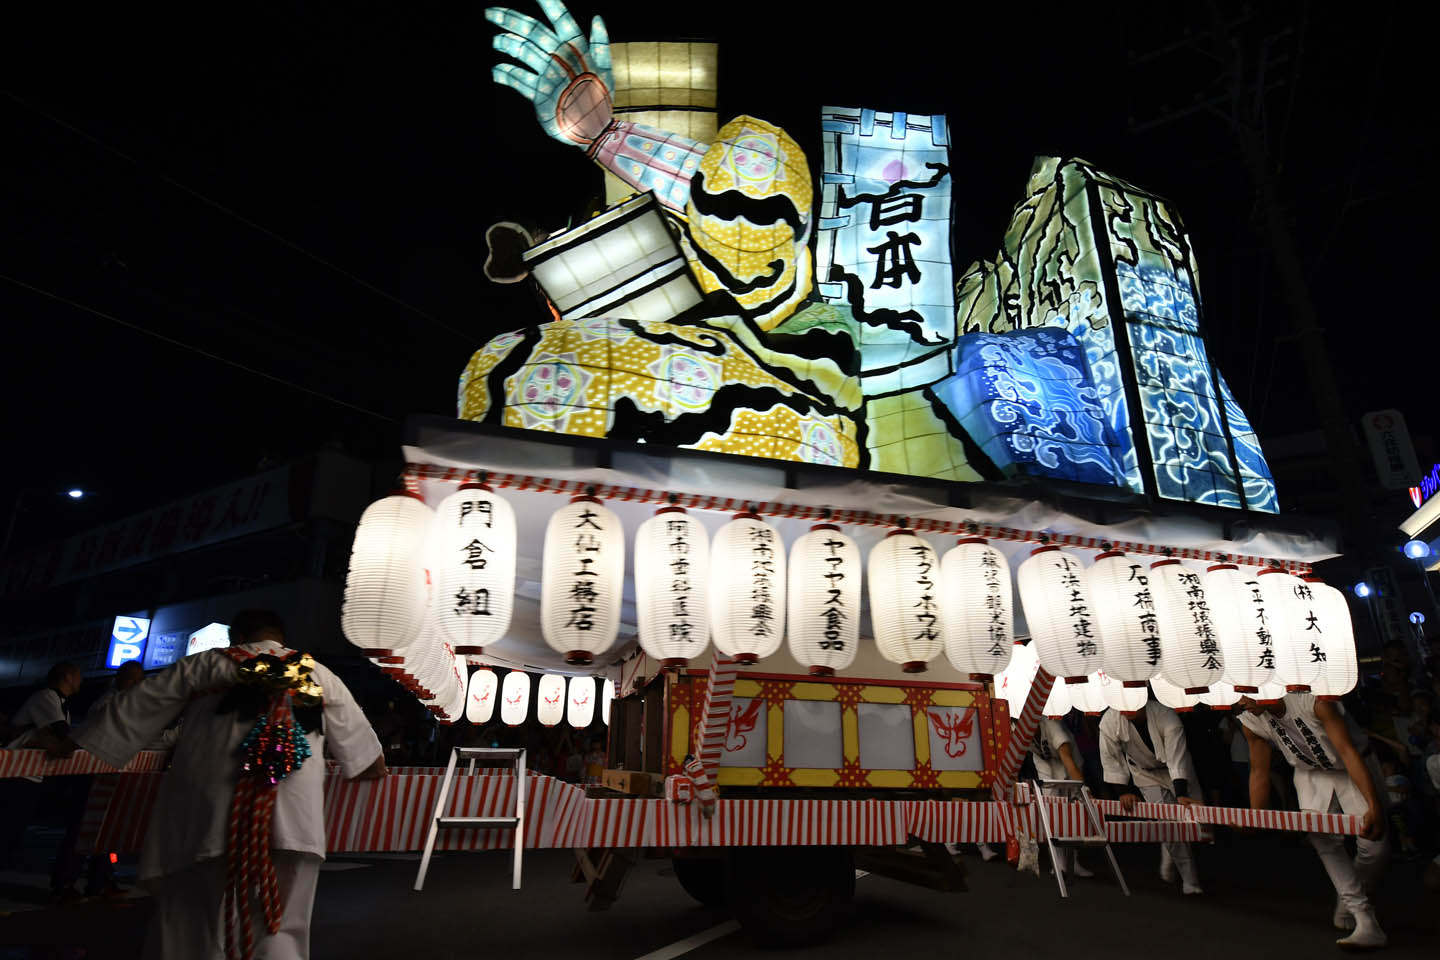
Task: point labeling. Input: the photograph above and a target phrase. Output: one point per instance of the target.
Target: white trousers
(1350, 878)
(188, 924)
(1175, 851)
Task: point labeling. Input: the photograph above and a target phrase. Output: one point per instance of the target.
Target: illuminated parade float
(819, 524)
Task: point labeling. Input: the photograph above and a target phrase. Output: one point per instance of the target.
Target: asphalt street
(1266, 896)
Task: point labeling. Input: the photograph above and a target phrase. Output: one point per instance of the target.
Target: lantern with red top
(824, 600)
(1300, 653)
(584, 574)
(747, 588)
(1127, 616)
(1061, 616)
(1341, 671)
(672, 564)
(980, 618)
(905, 609)
(387, 587)
(472, 563)
(1189, 637)
(1245, 624)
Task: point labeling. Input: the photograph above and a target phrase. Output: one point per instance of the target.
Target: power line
(192, 348)
(77, 131)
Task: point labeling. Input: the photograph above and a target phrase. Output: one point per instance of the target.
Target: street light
(74, 493)
(1362, 590)
(1417, 550)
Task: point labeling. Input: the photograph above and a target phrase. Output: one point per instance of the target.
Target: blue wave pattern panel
(1026, 396)
(1177, 397)
(1255, 475)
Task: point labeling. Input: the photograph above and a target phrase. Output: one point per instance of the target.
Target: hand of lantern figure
(568, 79)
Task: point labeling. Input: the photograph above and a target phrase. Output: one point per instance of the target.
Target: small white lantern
(979, 612)
(1125, 609)
(905, 614)
(584, 574)
(472, 565)
(386, 589)
(550, 699)
(1188, 635)
(480, 705)
(1119, 696)
(1220, 696)
(606, 697)
(1247, 628)
(672, 564)
(1060, 613)
(1085, 695)
(1172, 696)
(515, 698)
(747, 589)
(580, 702)
(1299, 637)
(1013, 683)
(1342, 671)
(1270, 693)
(1058, 703)
(824, 592)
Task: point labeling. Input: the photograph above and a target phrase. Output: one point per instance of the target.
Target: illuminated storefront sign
(127, 640)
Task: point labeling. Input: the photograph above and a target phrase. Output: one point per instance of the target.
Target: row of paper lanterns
(555, 699)
(1132, 619)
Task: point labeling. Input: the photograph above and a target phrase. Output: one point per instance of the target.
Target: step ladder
(1071, 791)
(438, 821)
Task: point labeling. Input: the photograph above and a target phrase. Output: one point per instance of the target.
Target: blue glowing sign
(127, 640)
(165, 649)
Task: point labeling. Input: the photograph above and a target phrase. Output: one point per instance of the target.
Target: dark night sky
(303, 189)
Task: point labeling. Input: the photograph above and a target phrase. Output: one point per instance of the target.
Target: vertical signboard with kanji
(884, 241)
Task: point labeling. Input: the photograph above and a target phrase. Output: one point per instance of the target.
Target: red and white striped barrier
(38, 763)
(1022, 733)
(393, 815)
(715, 718)
(415, 472)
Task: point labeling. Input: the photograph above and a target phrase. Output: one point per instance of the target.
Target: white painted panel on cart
(887, 736)
(745, 734)
(812, 734)
(955, 739)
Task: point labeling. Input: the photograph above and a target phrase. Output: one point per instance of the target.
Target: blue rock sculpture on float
(1026, 397)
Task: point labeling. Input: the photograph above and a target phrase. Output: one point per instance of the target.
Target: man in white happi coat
(184, 862)
(1056, 757)
(1331, 776)
(1150, 750)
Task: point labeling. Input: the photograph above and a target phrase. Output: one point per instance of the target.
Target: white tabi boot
(1341, 917)
(1367, 934)
(1168, 873)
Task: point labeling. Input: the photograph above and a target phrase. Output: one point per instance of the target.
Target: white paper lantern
(824, 593)
(979, 611)
(1189, 637)
(1172, 696)
(747, 589)
(386, 589)
(550, 699)
(606, 697)
(480, 705)
(1117, 695)
(1342, 671)
(454, 705)
(515, 698)
(1085, 695)
(1220, 696)
(1058, 703)
(1299, 637)
(1061, 616)
(1013, 683)
(672, 564)
(584, 574)
(905, 606)
(580, 702)
(1125, 611)
(472, 565)
(1270, 693)
(1247, 633)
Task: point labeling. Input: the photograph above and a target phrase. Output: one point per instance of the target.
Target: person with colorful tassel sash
(234, 847)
